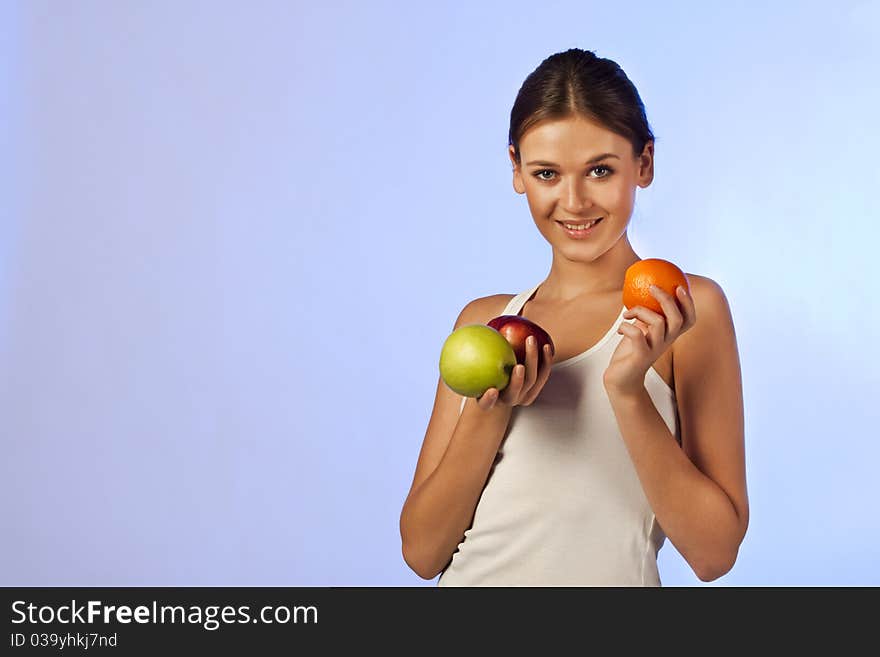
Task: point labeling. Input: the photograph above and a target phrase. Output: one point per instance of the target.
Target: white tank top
(563, 505)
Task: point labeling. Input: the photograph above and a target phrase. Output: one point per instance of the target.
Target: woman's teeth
(583, 226)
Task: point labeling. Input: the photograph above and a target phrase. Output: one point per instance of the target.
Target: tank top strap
(515, 305)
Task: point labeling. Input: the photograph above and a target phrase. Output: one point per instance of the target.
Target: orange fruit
(640, 276)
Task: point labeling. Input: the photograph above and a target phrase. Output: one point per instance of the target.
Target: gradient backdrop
(234, 236)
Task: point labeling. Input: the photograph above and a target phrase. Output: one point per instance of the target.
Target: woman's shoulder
(482, 309)
(712, 310)
(706, 292)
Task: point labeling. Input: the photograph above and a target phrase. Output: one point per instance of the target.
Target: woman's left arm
(697, 491)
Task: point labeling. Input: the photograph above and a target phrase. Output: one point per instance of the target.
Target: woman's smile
(580, 232)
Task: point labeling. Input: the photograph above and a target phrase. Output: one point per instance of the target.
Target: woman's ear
(646, 165)
(518, 185)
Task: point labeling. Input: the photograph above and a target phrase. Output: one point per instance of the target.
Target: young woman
(632, 432)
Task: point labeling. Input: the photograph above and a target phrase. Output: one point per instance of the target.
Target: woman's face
(573, 170)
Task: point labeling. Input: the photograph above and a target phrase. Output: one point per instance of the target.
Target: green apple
(474, 358)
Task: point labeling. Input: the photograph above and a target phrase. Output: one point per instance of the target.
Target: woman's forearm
(438, 512)
(695, 513)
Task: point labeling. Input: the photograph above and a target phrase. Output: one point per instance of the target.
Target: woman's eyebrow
(545, 163)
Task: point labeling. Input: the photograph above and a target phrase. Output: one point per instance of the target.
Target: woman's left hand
(647, 339)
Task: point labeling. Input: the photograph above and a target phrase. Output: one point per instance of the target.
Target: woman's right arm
(457, 454)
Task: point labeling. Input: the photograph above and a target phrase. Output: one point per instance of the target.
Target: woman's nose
(574, 196)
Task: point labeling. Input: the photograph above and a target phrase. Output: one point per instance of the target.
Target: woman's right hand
(526, 380)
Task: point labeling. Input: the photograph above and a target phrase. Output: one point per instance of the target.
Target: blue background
(235, 235)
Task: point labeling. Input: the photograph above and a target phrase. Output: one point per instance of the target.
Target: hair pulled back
(577, 82)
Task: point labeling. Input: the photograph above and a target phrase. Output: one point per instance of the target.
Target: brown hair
(577, 82)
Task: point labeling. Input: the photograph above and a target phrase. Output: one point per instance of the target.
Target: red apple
(516, 329)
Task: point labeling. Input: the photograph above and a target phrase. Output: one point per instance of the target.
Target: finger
(543, 375)
(632, 314)
(638, 338)
(644, 314)
(531, 363)
(688, 308)
(487, 399)
(514, 386)
(547, 363)
(674, 319)
(654, 323)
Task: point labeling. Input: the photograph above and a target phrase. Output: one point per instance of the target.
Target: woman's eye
(540, 174)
